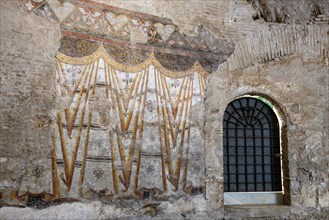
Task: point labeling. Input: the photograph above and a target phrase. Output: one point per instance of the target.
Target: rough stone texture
(181, 209)
(286, 63)
(28, 46)
(293, 11)
(289, 81)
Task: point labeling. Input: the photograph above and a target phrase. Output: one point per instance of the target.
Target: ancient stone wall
(121, 125)
(284, 63)
(28, 46)
(299, 87)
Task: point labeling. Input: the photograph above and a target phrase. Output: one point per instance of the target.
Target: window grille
(252, 160)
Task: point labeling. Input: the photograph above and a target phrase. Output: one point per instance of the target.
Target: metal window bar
(252, 160)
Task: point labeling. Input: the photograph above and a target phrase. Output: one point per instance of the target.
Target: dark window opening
(252, 160)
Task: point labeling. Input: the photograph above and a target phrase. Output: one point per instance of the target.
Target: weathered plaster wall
(300, 88)
(292, 11)
(228, 18)
(28, 46)
(293, 72)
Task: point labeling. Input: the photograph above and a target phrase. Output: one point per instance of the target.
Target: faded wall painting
(125, 84)
(126, 131)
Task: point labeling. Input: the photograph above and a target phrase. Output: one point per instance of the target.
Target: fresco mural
(126, 131)
(95, 22)
(125, 83)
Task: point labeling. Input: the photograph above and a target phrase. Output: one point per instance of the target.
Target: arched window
(252, 155)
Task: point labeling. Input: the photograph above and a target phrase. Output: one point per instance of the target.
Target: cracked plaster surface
(299, 85)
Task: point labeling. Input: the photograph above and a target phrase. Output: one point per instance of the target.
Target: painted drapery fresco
(126, 130)
(125, 85)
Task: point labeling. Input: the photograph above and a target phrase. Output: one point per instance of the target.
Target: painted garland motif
(102, 54)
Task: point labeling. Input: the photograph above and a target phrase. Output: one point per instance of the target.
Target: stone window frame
(264, 196)
(214, 182)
